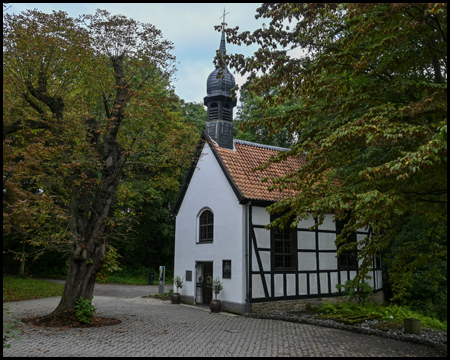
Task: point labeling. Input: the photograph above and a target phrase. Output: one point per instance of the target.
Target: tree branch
(435, 192)
(22, 124)
(33, 104)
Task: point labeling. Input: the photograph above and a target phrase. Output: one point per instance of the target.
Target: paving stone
(151, 327)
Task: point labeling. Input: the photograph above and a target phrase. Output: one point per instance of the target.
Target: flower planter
(215, 306)
(175, 298)
(412, 326)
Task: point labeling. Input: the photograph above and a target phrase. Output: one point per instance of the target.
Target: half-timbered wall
(316, 271)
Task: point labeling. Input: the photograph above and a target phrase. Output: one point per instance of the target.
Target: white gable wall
(209, 188)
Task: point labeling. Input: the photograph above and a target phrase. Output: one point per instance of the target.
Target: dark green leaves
(371, 96)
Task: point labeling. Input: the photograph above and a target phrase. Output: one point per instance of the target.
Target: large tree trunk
(92, 202)
(90, 210)
(79, 283)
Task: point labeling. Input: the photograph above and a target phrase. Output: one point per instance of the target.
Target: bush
(393, 312)
(358, 291)
(166, 295)
(84, 310)
(135, 276)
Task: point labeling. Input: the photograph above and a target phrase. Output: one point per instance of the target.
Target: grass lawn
(17, 289)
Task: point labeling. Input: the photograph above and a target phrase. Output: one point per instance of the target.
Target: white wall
(209, 188)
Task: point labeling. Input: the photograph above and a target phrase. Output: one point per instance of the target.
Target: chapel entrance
(204, 279)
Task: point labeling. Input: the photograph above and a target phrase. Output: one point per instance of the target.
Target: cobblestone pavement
(151, 327)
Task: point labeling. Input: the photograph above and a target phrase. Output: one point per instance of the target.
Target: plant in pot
(215, 304)
(176, 297)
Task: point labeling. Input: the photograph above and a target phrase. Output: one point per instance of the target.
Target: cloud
(190, 26)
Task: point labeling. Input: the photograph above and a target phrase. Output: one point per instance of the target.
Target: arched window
(206, 233)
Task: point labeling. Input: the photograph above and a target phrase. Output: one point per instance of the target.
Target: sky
(190, 27)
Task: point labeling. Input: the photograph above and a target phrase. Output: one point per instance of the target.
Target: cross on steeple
(223, 19)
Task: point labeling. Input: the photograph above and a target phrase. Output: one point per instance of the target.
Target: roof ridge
(269, 147)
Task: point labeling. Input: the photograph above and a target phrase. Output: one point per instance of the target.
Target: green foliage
(166, 295)
(194, 113)
(93, 135)
(432, 323)
(217, 286)
(417, 261)
(434, 306)
(49, 264)
(399, 313)
(129, 275)
(10, 327)
(84, 310)
(178, 281)
(358, 291)
(371, 119)
(109, 265)
(328, 308)
(152, 242)
(394, 311)
(350, 313)
(252, 111)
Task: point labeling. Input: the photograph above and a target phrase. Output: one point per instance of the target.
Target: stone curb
(350, 328)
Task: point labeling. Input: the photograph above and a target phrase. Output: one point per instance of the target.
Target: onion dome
(219, 124)
(220, 81)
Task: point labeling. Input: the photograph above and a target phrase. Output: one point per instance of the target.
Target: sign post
(162, 278)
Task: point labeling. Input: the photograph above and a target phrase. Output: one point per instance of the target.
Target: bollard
(151, 278)
(162, 278)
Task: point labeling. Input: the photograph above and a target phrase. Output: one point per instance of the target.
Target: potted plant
(215, 304)
(176, 297)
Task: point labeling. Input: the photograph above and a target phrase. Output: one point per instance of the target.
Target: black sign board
(188, 275)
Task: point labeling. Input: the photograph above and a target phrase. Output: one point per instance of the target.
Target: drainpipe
(246, 260)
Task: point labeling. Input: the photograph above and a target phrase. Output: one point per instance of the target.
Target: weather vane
(223, 19)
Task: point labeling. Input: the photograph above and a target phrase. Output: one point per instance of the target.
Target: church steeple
(223, 44)
(218, 100)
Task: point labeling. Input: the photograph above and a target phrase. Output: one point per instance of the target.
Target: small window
(206, 233)
(348, 258)
(226, 269)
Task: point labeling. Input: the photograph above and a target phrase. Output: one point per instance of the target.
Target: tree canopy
(372, 83)
(91, 130)
(250, 112)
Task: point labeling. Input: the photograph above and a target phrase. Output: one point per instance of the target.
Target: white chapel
(221, 218)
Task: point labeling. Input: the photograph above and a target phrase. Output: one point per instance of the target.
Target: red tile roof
(238, 166)
(241, 162)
